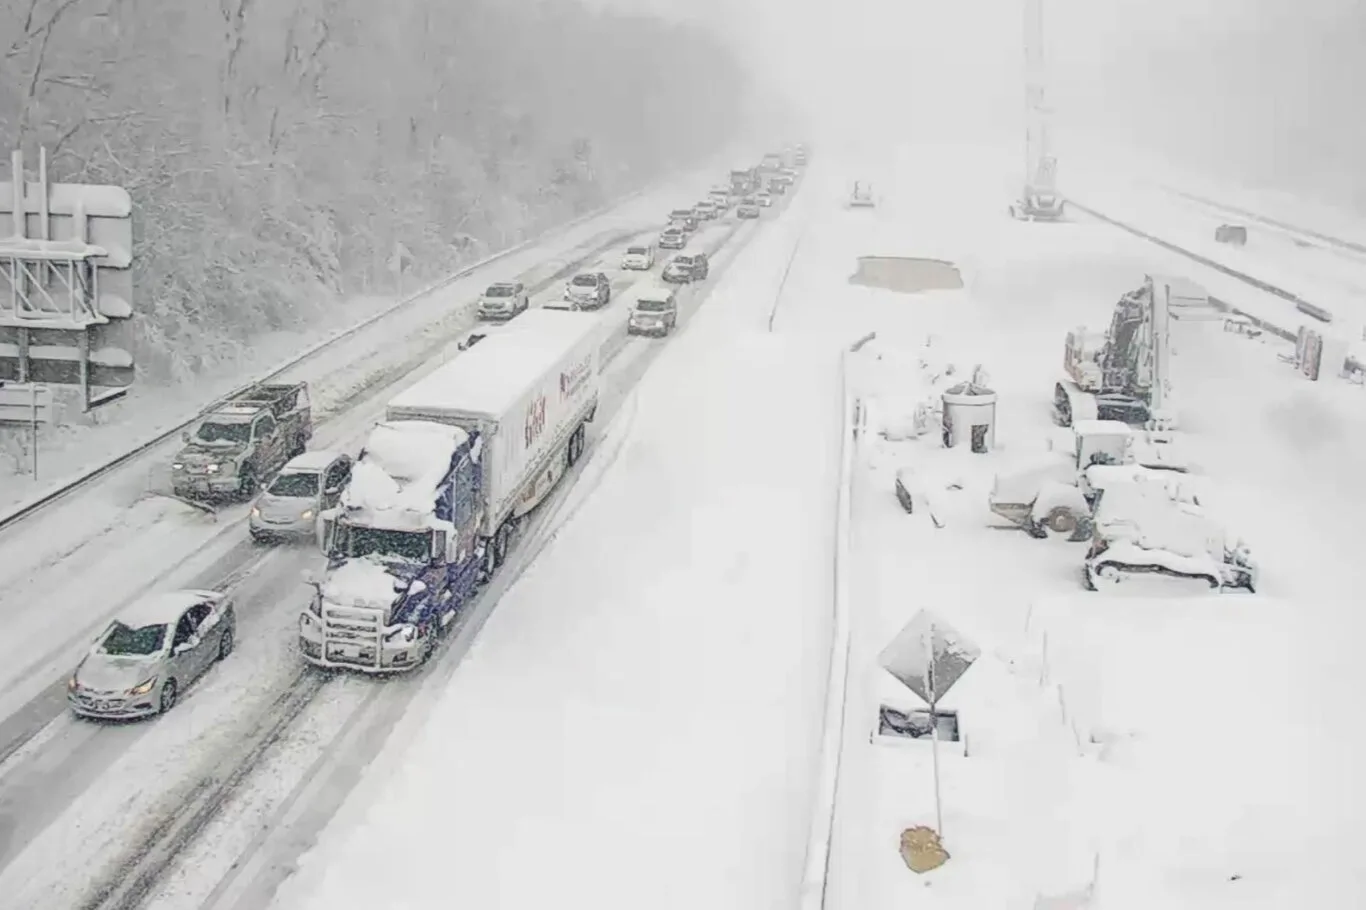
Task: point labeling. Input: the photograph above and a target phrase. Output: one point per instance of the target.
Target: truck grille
(351, 635)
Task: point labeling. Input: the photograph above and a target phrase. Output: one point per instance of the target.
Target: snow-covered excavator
(1123, 373)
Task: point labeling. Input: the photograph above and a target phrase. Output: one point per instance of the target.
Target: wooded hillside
(277, 150)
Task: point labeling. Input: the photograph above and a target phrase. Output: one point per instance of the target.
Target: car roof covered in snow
(655, 293)
(161, 608)
(490, 377)
(310, 461)
(235, 413)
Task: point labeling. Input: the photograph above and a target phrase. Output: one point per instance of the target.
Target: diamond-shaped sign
(909, 656)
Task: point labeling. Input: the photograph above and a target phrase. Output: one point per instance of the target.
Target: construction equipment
(1040, 200)
(1123, 374)
(1140, 532)
(1057, 495)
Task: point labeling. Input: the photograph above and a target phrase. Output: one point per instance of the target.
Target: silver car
(151, 653)
(503, 300)
(308, 484)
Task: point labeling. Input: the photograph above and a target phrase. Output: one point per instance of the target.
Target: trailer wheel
(576, 446)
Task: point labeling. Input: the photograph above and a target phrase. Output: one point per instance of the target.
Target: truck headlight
(306, 515)
(405, 634)
(143, 688)
(71, 684)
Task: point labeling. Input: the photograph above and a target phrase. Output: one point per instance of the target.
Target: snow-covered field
(636, 725)
(1188, 748)
(1328, 276)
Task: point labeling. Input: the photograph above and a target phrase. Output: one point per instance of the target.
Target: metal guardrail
(64, 488)
(816, 871)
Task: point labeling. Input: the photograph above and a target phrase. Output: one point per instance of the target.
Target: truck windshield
(295, 484)
(652, 306)
(223, 432)
(499, 290)
(413, 546)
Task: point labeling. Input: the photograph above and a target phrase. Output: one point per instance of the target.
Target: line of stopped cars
(425, 514)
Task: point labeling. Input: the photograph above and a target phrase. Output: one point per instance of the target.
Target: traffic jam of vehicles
(417, 522)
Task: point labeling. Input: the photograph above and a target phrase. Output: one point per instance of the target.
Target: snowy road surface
(637, 724)
(1193, 746)
(81, 801)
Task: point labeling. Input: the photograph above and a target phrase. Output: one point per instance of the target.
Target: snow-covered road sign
(908, 656)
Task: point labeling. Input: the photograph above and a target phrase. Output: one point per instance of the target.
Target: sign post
(928, 657)
(30, 404)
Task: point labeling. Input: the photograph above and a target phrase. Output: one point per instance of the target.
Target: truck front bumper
(365, 655)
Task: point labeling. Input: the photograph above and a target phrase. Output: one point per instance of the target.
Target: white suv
(638, 258)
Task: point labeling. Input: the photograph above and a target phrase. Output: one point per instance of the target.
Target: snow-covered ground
(1192, 749)
(82, 797)
(1327, 276)
(637, 723)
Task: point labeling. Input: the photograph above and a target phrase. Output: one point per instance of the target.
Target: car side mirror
(333, 491)
(438, 553)
(185, 436)
(184, 646)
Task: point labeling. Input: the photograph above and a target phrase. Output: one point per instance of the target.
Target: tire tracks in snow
(133, 878)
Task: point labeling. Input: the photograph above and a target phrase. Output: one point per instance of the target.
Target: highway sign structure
(66, 283)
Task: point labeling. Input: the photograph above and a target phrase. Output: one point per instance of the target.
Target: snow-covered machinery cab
(1057, 496)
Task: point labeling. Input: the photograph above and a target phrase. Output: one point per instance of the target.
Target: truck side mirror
(438, 554)
(327, 532)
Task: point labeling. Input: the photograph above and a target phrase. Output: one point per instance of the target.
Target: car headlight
(211, 469)
(306, 514)
(255, 511)
(177, 466)
(71, 684)
(143, 688)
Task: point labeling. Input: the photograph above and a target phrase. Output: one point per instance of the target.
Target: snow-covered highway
(108, 815)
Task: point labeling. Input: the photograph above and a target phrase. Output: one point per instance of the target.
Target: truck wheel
(576, 444)
(500, 543)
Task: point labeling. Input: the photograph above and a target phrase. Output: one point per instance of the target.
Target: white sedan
(638, 258)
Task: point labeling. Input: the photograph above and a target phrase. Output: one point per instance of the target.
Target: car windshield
(652, 306)
(683, 261)
(585, 281)
(636, 251)
(412, 546)
(126, 641)
(295, 484)
(223, 432)
(499, 290)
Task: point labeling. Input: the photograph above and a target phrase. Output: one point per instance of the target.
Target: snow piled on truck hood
(363, 582)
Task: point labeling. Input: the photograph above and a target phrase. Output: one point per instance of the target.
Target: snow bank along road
(1189, 748)
(637, 724)
(103, 815)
